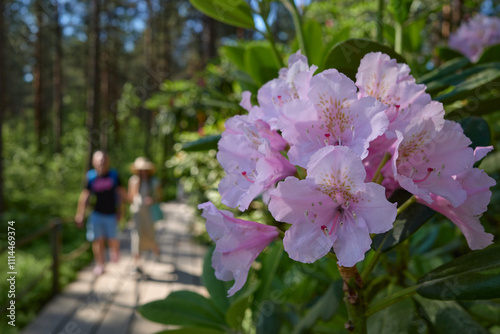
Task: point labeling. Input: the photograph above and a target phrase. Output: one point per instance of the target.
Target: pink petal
(353, 241)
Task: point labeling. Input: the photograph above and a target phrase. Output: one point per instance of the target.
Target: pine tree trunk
(37, 77)
(58, 96)
(93, 95)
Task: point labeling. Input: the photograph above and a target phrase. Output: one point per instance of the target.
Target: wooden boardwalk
(108, 303)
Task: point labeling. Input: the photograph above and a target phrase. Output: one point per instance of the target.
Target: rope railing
(54, 227)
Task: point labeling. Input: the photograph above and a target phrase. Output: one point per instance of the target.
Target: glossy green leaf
(270, 261)
(236, 312)
(448, 317)
(313, 38)
(450, 67)
(260, 63)
(446, 53)
(203, 144)
(478, 131)
(412, 34)
(491, 163)
(489, 73)
(325, 307)
(399, 9)
(184, 308)
(233, 12)
(236, 54)
(193, 329)
(475, 107)
(216, 288)
(485, 311)
(490, 54)
(407, 223)
(346, 56)
(394, 318)
(472, 276)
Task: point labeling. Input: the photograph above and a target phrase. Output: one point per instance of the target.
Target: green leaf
(407, 223)
(260, 64)
(477, 129)
(191, 330)
(203, 144)
(183, 308)
(490, 54)
(446, 53)
(236, 312)
(325, 307)
(469, 88)
(346, 56)
(233, 12)
(412, 34)
(236, 54)
(491, 163)
(450, 67)
(486, 311)
(270, 262)
(476, 106)
(448, 317)
(399, 9)
(394, 318)
(472, 276)
(313, 38)
(216, 288)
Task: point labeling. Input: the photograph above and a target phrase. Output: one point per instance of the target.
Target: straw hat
(142, 163)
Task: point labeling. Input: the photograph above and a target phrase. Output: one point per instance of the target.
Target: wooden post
(55, 237)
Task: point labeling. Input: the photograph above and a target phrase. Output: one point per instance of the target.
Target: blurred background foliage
(169, 76)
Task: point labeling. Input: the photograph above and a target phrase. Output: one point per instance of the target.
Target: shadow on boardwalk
(108, 303)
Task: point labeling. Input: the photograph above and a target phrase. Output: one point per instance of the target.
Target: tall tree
(209, 48)
(37, 76)
(58, 75)
(2, 97)
(93, 94)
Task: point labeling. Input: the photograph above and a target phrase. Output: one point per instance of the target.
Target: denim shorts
(100, 225)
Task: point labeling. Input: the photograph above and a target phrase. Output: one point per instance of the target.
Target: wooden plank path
(108, 303)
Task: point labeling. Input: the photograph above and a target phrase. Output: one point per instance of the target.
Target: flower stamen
(246, 177)
(429, 171)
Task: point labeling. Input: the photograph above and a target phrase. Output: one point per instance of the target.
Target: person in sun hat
(144, 192)
(102, 183)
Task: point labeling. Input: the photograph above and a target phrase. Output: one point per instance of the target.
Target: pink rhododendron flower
(333, 116)
(427, 158)
(238, 243)
(292, 84)
(473, 36)
(383, 78)
(476, 184)
(250, 154)
(332, 207)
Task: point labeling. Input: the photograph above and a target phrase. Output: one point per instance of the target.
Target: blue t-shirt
(104, 187)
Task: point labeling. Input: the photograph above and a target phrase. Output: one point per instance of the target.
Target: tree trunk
(93, 95)
(208, 37)
(58, 96)
(37, 77)
(2, 99)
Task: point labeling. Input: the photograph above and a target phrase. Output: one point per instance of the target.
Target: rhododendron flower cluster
(326, 153)
(473, 36)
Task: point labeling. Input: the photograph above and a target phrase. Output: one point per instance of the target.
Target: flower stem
(406, 204)
(354, 299)
(393, 299)
(398, 38)
(292, 8)
(387, 157)
(270, 38)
